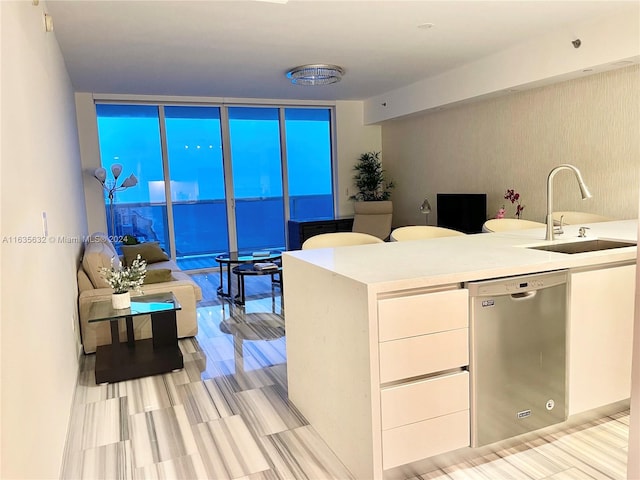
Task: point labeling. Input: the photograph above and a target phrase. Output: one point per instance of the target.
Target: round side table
(245, 269)
(235, 258)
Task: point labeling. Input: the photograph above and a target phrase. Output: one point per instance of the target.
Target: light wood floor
(226, 415)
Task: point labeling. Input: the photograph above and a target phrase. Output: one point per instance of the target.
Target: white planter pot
(121, 300)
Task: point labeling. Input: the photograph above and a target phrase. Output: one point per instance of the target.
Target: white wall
(40, 173)
(514, 141)
(353, 138)
(544, 60)
(90, 154)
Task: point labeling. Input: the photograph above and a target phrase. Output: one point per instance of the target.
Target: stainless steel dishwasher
(518, 355)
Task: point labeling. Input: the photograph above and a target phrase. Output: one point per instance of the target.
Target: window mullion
(285, 172)
(167, 182)
(335, 192)
(228, 179)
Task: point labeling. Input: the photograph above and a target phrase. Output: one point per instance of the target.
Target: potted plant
(123, 280)
(373, 208)
(370, 179)
(514, 197)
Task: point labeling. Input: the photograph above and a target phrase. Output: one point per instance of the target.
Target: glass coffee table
(235, 258)
(249, 269)
(138, 358)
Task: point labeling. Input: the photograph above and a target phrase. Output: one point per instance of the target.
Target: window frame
(223, 106)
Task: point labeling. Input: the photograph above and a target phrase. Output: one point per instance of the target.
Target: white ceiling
(242, 49)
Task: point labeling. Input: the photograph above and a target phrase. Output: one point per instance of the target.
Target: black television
(465, 212)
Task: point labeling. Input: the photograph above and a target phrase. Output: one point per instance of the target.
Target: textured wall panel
(514, 141)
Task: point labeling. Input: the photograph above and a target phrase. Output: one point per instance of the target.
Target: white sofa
(92, 287)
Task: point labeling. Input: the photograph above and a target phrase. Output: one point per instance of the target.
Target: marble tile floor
(226, 415)
(593, 450)
(258, 287)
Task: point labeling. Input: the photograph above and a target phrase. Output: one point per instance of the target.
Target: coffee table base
(140, 358)
(119, 362)
(247, 269)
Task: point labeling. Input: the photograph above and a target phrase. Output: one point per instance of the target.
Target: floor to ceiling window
(257, 177)
(309, 162)
(129, 136)
(202, 192)
(194, 151)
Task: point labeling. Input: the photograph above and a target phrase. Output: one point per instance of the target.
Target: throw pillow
(149, 251)
(98, 254)
(130, 240)
(158, 275)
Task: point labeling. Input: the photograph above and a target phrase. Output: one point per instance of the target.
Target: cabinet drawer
(421, 314)
(425, 439)
(424, 399)
(411, 357)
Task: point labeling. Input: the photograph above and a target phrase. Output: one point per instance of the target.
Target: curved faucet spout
(584, 191)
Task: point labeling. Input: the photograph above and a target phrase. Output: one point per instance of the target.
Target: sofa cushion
(100, 237)
(183, 277)
(149, 251)
(84, 283)
(158, 275)
(170, 264)
(96, 255)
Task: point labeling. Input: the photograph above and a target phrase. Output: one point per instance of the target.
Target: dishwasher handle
(524, 295)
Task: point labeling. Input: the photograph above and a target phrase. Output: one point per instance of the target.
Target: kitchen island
(378, 336)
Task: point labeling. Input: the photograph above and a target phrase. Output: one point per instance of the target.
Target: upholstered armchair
(373, 218)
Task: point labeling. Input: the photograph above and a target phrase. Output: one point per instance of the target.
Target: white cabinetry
(377, 343)
(601, 308)
(381, 376)
(425, 418)
(424, 344)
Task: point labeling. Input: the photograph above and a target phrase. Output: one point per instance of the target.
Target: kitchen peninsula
(378, 336)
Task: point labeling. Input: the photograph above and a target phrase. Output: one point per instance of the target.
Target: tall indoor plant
(373, 208)
(370, 179)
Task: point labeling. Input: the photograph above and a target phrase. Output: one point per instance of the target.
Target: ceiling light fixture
(315, 74)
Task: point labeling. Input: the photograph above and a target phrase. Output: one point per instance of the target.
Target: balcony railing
(201, 227)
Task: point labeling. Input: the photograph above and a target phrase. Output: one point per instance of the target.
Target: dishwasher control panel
(528, 285)
(511, 285)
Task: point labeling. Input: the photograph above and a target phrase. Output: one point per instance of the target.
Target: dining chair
(339, 239)
(417, 232)
(506, 224)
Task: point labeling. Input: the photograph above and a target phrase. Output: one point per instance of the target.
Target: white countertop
(439, 261)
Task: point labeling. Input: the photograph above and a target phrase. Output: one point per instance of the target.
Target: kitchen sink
(585, 246)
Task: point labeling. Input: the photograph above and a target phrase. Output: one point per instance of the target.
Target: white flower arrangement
(124, 279)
